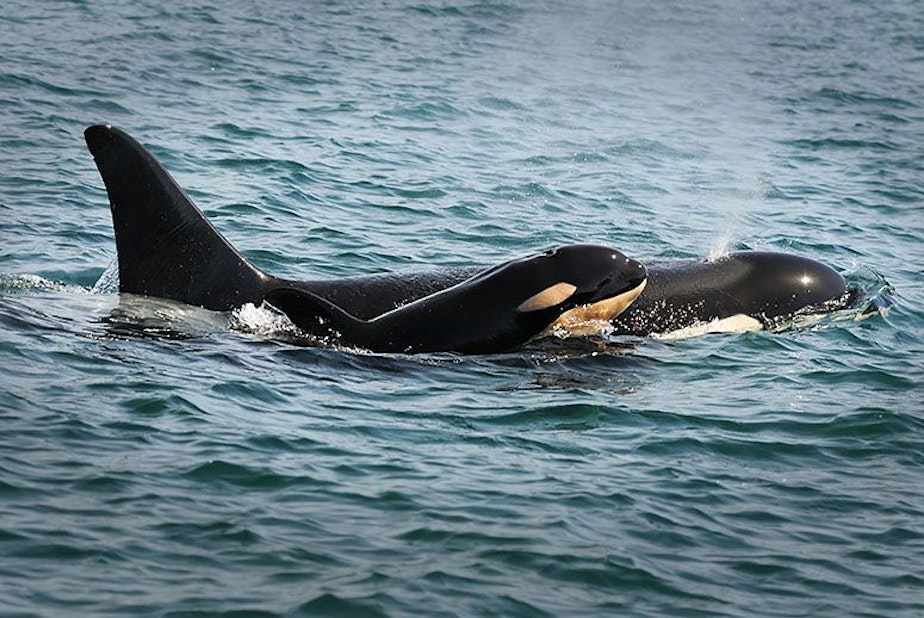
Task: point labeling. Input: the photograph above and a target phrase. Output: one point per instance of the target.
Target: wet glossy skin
(168, 249)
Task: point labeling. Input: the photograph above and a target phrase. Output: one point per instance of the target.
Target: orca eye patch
(549, 297)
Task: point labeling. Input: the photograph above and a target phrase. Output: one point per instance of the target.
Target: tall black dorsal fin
(166, 246)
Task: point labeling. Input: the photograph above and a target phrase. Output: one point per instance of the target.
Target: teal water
(195, 467)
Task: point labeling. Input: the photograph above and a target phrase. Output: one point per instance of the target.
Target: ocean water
(192, 465)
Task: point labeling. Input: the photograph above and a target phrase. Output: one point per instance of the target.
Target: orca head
(777, 285)
(582, 287)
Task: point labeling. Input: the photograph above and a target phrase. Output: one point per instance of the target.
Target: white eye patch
(549, 297)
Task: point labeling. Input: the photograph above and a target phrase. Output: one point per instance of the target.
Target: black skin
(167, 248)
(767, 286)
(479, 315)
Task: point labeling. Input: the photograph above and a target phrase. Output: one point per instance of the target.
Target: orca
(167, 248)
(736, 292)
(495, 310)
(740, 291)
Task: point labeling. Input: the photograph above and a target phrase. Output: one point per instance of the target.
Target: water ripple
(157, 460)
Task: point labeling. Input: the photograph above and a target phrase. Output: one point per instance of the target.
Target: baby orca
(168, 249)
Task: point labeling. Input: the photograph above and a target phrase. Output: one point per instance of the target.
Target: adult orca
(747, 290)
(167, 248)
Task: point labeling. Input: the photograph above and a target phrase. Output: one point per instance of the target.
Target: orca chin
(168, 249)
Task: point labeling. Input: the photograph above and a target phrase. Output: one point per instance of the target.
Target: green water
(203, 468)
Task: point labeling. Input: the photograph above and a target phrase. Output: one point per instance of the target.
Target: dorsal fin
(166, 247)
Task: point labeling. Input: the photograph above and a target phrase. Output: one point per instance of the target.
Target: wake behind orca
(167, 248)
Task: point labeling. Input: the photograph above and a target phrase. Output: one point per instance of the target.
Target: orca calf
(495, 310)
(167, 248)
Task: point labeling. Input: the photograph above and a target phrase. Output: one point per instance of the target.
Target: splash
(261, 320)
(22, 284)
(108, 282)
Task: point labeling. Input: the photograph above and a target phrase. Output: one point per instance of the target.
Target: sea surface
(191, 464)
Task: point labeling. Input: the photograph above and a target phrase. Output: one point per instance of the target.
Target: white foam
(260, 320)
